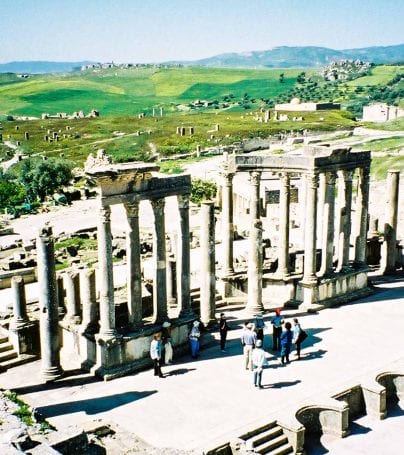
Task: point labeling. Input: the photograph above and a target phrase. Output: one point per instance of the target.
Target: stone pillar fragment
(227, 223)
(171, 280)
(183, 257)
(88, 300)
(71, 281)
(254, 303)
(362, 205)
(19, 301)
(284, 226)
(159, 256)
(48, 304)
(390, 226)
(134, 277)
(309, 273)
(106, 277)
(207, 269)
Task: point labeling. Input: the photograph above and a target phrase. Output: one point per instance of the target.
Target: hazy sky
(159, 30)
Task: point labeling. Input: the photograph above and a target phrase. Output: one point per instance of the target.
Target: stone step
(17, 361)
(7, 355)
(3, 338)
(282, 450)
(248, 436)
(275, 443)
(5, 346)
(266, 436)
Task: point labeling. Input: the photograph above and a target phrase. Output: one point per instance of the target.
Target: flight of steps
(196, 298)
(268, 439)
(8, 357)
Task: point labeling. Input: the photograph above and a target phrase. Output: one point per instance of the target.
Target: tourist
(248, 340)
(276, 322)
(166, 341)
(194, 336)
(299, 335)
(258, 362)
(259, 327)
(223, 329)
(286, 343)
(155, 354)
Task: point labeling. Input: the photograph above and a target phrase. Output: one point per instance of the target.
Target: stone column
(159, 256)
(302, 206)
(88, 300)
(309, 273)
(20, 317)
(254, 303)
(328, 225)
(171, 280)
(344, 217)
(183, 258)
(284, 226)
(60, 294)
(362, 204)
(321, 197)
(390, 227)
(106, 277)
(48, 304)
(227, 223)
(207, 268)
(71, 281)
(134, 277)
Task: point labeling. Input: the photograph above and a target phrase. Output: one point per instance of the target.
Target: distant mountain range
(305, 56)
(40, 67)
(277, 57)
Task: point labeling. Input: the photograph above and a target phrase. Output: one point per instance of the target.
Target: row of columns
(341, 229)
(134, 276)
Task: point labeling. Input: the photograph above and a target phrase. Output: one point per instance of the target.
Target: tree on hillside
(11, 193)
(42, 178)
(282, 78)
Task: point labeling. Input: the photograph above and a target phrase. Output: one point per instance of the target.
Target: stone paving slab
(213, 397)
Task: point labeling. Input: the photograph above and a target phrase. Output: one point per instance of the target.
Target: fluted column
(183, 257)
(328, 225)
(227, 223)
(106, 277)
(309, 275)
(134, 271)
(321, 197)
(159, 256)
(390, 226)
(88, 300)
(284, 226)
(48, 305)
(254, 302)
(344, 217)
(362, 204)
(207, 269)
(20, 317)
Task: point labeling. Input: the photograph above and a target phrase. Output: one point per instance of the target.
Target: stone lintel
(153, 188)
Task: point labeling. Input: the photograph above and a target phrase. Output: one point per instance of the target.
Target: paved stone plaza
(211, 400)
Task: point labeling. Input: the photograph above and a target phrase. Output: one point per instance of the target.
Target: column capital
(105, 213)
(346, 174)
(183, 201)
(284, 177)
(330, 177)
(227, 176)
(255, 177)
(312, 179)
(132, 209)
(158, 204)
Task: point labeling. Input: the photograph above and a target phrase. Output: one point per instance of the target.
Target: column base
(50, 374)
(253, 310)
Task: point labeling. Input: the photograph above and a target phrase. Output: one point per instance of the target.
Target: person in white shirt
(258, 361)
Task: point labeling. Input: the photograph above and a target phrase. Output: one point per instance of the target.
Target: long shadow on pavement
(93, 405)
(279, 385)
(69, 379)
(178, 371)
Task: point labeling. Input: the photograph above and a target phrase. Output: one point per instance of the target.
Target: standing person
(248, 340)
(194, 339)
(259, 327)
(155, 354)
(299, 335)
(166, 340)
(276, 322)
(223, 329)
(286, 342)
(258, 361)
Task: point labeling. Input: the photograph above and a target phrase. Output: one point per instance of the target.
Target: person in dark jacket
(276, 322)
(223, 329)
(286, 342)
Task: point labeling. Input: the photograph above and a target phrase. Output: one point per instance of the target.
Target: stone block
(70, 440)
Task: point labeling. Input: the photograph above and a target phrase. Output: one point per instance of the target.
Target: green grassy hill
(133, 90)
